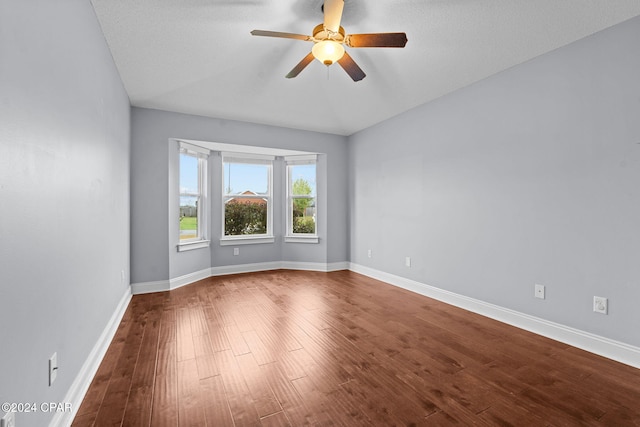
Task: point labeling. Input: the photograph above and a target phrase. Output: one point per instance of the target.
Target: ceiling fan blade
(377, 40)
(350, 66)
(280, 35)
(333, 14)
(301, 66)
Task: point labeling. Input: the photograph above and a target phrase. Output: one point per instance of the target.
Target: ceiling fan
(329, 38)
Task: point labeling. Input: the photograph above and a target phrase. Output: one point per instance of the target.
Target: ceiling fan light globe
(327, 52)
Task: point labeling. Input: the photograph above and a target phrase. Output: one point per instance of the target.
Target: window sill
(301, 239)
(189, 246)
(246, 240)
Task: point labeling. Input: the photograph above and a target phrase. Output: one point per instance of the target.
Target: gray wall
(154, 188)
(64, 195)
(530, 176)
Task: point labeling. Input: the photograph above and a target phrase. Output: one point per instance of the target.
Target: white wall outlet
(539, 291)
(600, 305)
(9, 420)
(236, 251)
(368, 253)
(407, 261)
(122, 277)
(53, 368)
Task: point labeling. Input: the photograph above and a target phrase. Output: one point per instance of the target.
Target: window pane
(304, 215)
(188, 174)
(242, 217)
(241, 178)
(246, 205)
(188, 217)
(303, 202)
(303, 180)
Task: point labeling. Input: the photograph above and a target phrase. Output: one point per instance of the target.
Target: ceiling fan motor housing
(320, 33)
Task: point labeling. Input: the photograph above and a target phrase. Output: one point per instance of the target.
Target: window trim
(202, 156)
(246, 240)
(250, 159)
(191, 245)
(289, 235)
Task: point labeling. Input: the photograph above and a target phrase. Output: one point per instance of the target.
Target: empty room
(319, 212)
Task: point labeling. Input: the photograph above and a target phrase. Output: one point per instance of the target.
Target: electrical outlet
(236, 251)
(9, 420)
(122, 277)
(600, 305)
(369, 253)
(539, 291)
(407, 261)
(53, 368)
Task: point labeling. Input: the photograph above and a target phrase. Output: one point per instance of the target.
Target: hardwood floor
(295, 348)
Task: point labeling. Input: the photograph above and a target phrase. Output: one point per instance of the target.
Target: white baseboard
(81, 383)
(150, 287)
(337, 266)
(189, 278)
(167, 285)
(615, 350)
(315, 266)
(245, 268)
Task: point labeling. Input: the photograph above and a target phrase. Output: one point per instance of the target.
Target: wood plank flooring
(288, 348)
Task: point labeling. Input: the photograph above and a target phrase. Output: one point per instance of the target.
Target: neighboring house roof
(248, 200)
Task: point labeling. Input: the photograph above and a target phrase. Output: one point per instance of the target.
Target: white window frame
(290, 236)
(255, 159)
(202, 154)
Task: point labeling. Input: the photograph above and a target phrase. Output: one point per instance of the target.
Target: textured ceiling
(197, 56)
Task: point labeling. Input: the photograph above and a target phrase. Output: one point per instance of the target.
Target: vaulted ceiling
(198, 56)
